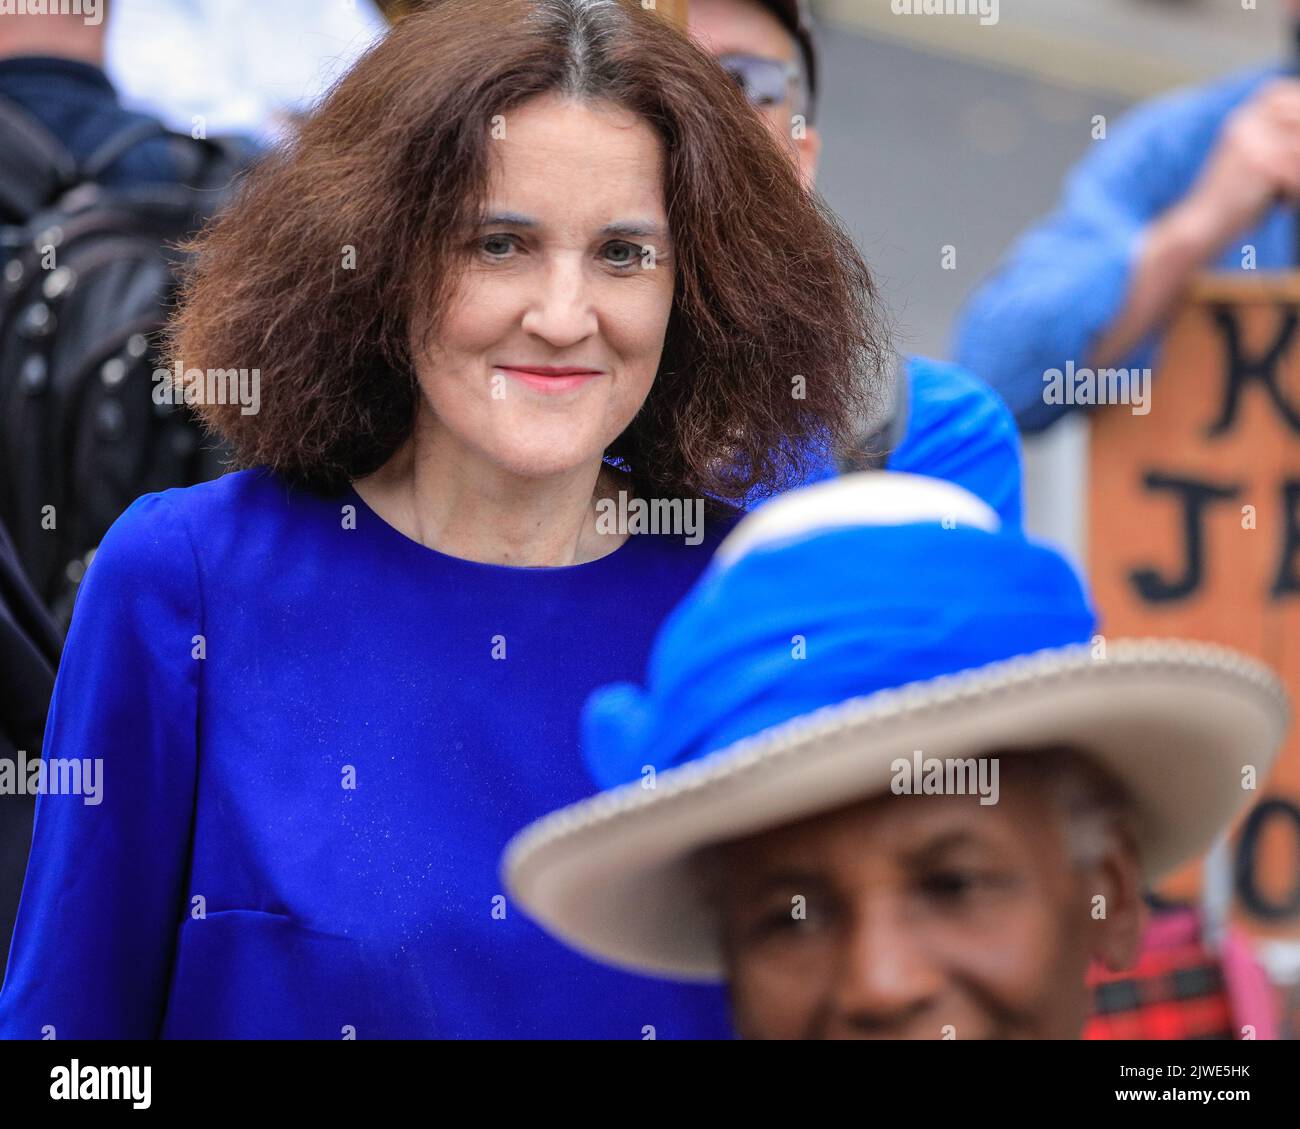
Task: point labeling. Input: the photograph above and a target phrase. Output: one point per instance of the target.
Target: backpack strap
(880, 441)
(901, 419)
(36, 166)
(210, 163)
(118, 145)
(22, 614)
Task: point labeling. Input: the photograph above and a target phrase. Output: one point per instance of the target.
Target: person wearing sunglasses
(944, 422)
(767, 46)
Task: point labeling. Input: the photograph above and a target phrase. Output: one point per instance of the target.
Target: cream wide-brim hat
(1176, 723)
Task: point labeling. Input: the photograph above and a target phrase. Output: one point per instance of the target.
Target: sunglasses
(765, 82)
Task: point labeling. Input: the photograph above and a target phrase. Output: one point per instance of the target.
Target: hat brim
(1176, 723)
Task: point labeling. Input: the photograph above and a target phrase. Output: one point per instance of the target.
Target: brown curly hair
(395, 163)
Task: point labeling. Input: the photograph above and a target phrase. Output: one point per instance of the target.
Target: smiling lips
(551, 378)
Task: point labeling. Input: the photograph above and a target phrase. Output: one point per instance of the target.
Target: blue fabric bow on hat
(821, 618)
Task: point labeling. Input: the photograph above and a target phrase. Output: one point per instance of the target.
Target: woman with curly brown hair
(533, 267)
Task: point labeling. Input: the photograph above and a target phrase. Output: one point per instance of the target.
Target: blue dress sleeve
(1065, 281)
(105, 885)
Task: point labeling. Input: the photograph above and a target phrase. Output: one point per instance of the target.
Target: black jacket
(29, 653)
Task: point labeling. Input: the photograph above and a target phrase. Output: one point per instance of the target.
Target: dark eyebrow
(508, 219)
(766, 884)
(935, 848)
(641, 229)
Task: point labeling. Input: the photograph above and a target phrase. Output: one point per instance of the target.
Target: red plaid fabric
(1174, 995)
(1175, 991)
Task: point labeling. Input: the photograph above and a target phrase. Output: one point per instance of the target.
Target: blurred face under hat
(925, 916)
(885, 778)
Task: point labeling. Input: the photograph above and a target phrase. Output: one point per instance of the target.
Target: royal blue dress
(316, 735)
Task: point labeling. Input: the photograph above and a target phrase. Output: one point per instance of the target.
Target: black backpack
(87, 279)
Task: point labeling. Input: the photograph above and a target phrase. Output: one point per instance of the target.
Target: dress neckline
(391, 533)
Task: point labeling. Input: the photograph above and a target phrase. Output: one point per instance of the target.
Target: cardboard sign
(1194, 531)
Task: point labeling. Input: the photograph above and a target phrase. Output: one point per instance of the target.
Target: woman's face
(571, 270)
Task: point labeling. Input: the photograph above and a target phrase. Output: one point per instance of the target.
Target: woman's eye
(623, 254)
(497, 245)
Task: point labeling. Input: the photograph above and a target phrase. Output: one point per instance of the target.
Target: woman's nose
(561, 308)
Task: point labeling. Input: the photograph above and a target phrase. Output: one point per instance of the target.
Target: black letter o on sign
(1249, 893)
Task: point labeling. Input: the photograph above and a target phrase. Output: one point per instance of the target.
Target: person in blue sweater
(512, 363)
(947, 423)
(1202, 178)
